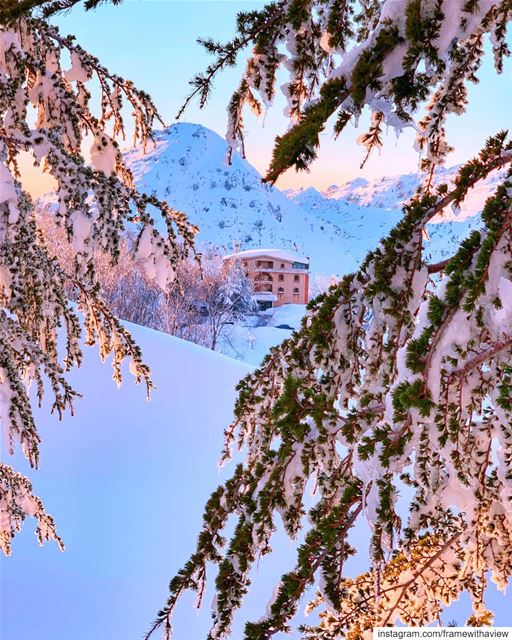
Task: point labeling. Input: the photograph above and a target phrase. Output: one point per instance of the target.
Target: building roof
(265, 296)
(277, 254)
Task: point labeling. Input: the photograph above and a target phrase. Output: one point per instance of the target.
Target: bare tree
(196, 307)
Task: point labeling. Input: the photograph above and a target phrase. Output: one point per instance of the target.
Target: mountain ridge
(236, 211)
(391, 192)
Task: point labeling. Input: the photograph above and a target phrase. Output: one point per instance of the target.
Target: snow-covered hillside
(126, 481)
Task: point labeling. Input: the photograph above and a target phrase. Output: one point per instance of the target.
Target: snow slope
(126, 481)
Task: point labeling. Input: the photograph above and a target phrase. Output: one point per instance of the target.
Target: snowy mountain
(233, 208)
(366, 210)
(390, 192)
(336, 228)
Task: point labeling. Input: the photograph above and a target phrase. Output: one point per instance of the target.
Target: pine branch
(319, 389)
(12, 10)
(391, 66)
(47, 114)
(438, 266)
(251, 27)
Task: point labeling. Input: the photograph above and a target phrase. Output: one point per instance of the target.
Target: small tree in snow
(45, 111)
(226, 293)
(401, 374)
(322, 284)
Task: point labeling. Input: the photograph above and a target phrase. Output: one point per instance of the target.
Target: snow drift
(126, 481)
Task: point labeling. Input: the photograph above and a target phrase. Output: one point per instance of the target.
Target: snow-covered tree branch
(401, 373)
(45, 112)
(390, 56)
(14, 9)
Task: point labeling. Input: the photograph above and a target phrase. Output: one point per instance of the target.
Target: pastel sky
(153, 42)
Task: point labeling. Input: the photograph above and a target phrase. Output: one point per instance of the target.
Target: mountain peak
(229, 202)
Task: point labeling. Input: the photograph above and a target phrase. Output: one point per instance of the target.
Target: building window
(264, 264)
(295, 292)
(264, 276)
(280, 277)
(299, 265)
(296, 278)
(280, 290)
(282, 265)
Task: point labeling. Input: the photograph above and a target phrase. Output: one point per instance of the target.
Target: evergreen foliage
(400, 374)
(11, 10)
(45, 112)
(343, 55)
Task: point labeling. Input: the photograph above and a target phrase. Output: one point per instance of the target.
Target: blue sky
(153, 42)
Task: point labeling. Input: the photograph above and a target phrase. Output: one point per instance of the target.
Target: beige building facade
(278, 276)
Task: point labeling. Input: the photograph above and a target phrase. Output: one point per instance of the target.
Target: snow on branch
(45, 109)
(391, 56)
(391, 379)
(16, 503)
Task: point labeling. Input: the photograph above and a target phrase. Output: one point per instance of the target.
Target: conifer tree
(45, 111)
(401, 374)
